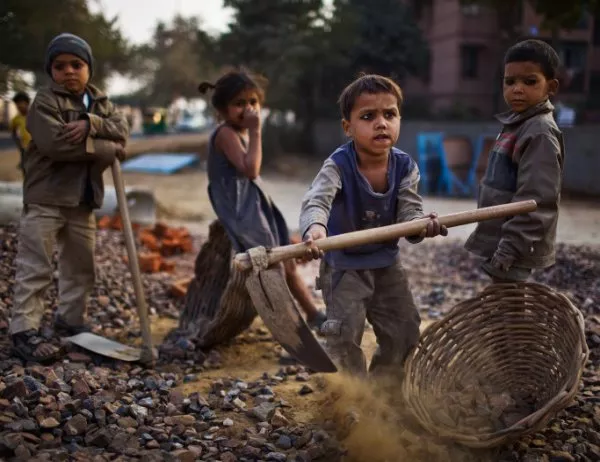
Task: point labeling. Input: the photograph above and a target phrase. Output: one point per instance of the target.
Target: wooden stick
(147, 356)
(387, 233)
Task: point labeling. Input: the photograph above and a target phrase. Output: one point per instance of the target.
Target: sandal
(62, 329)
(26, 344)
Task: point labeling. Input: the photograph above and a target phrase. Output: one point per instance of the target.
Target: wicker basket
(497, 366)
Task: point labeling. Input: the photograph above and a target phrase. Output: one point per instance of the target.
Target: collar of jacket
(94, 92)
(512, 117)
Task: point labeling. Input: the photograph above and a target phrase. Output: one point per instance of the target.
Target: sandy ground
(183, 198)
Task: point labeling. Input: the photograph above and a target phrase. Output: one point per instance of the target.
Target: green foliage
(27, 26)
(173, 64)
(380, 36)
(276, 38)
(308, 57)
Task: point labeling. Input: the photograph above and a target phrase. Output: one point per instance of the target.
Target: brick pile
(157, 243)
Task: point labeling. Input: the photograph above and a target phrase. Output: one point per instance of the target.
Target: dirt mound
(372, 423)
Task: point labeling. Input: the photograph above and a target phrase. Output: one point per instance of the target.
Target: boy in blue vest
(366, 183)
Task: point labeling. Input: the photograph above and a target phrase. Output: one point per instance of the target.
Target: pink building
(465, 49)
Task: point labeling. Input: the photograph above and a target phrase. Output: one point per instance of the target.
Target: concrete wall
(582, 162)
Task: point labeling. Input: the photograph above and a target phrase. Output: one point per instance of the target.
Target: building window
(469, 57)
(594, 83)
(584, 21)
(471, 9)
(573, 56)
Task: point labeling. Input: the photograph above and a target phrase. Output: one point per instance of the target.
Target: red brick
(104, 222)
(150, 262)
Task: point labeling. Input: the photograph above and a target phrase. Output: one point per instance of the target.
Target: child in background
(76, 134)
(525, 163)
(366, 183)
(18, 127)
(235, 189)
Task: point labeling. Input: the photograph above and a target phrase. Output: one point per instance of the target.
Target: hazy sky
(138, 18)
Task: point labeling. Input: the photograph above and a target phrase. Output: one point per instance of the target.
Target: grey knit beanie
(69, 44)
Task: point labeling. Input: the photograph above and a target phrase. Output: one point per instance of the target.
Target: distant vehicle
(154, 121)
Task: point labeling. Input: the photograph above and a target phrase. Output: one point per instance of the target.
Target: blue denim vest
(357, 207)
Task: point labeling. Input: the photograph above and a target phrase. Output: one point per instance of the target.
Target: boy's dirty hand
(76, 132)
(251, 119)
(314, 233)
(501, 261)
(434, 228)
(120, 153)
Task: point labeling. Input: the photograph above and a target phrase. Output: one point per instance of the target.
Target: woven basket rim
(533, 421)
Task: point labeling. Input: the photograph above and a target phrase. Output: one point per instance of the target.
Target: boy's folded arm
(114, 127)
(317, 202)
(45, 124)
(409, 202)
(539, 178)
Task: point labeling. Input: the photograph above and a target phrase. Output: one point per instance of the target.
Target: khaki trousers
(73, 229)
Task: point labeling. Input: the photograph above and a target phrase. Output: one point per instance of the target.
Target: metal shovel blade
(277, 308)
(105, 347)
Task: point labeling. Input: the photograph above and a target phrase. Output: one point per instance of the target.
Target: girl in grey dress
(235, 189)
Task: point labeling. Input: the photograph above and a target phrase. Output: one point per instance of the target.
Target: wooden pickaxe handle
(147, 354)
(387, 233)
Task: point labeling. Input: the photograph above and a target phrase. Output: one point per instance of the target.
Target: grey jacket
(526, 162)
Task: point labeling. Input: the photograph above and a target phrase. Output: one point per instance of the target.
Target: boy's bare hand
(314, 233)
(501, 261)
(120, 153)
(76, 132)
(434, 228)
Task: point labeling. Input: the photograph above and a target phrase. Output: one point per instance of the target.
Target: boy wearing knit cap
(76, 134)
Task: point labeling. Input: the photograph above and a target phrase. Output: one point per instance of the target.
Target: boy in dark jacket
(76, 134)
(526, 162)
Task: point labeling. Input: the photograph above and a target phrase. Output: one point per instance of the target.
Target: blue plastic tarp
(162, 163)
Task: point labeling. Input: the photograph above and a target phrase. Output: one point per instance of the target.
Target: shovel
(274, 303)
(104, 346)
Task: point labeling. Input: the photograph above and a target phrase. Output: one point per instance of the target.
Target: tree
(278, 39)
(272, 37)
(173, 64)
(27, 26)
(308, 57)
(381, 37)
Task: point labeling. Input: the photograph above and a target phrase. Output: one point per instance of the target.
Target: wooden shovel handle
(387, 233)
(147, 356)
